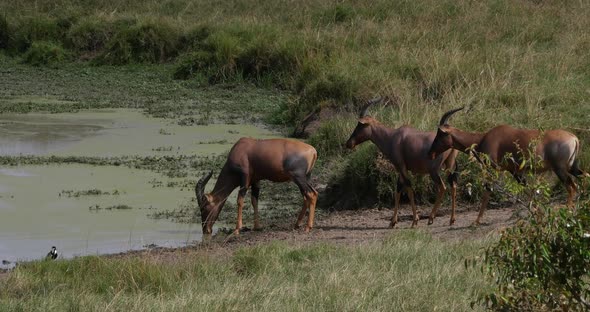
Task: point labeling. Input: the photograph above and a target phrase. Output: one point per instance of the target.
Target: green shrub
(226, 47)
(330, 137)
(149, 42)
(29, 30)
(193, 64)
(195, 38)
(257, 55)
(44, 53)
(356, 183)
(265, 56)
(89, 35)
(333, 87)
(542, 263)
(4, 33)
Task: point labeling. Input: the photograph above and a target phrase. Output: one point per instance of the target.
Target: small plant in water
(164, 132)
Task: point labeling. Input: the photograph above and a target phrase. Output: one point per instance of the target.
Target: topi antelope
(556, 148)
(407, 149)
(249, 162)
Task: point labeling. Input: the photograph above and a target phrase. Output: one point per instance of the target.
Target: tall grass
(524, 63)
(410, 271)
(498, 56)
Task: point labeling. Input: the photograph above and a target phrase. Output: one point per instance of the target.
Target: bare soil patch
(341, 227)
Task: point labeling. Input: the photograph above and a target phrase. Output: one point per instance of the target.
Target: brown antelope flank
(407, 149)
(250, 161)
(557, 149)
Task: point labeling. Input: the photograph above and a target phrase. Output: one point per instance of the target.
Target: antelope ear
(364, 120)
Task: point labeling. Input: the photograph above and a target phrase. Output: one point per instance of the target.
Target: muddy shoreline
(346, 228)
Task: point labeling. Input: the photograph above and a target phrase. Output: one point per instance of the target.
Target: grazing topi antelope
(557, 149)
(249, 162)
(407, 149)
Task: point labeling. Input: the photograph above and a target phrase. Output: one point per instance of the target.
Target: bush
(542, 263)
(149, 42)
(266, 56)
(257, 55)
(29, 30)
(192, 64)
(226, 48)
(331, 135)
(89, 35)
(44, 53)
(358, 183)
(334, 88)
(4, 33)
(195, 39)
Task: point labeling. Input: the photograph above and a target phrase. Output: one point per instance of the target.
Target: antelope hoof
(297, 226)
(414, 223)
(452, 221)
(236, 232)
(307, 229)
(430, 221)
(392, 224)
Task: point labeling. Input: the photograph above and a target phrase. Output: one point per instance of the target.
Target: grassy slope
(522, 62)
(410, 271)
(525, 62)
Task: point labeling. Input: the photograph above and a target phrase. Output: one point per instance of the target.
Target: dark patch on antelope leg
(255, 195)
(440, 190)
(244, 184)
(453, 179)
(566, 178)
(575, 169)
(396, 197)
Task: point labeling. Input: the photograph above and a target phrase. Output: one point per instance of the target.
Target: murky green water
(109, 133)
(36, 213)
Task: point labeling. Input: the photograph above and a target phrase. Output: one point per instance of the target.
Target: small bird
(52, 255)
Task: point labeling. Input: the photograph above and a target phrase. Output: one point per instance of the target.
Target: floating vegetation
(115, 207)
(192, 121)
(181, 215)
(181, 184)
(176, 166)
(156, 183)
(164, 148)
(92, 192)
(223, 141)
(164, 132)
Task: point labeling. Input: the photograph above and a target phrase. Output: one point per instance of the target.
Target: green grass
(409, 271)
(521, 62)
(496, 55)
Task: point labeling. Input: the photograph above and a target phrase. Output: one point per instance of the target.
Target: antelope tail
(575, 169)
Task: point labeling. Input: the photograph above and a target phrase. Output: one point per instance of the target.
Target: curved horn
(200, 188)
(447, 115)
(366, 106)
